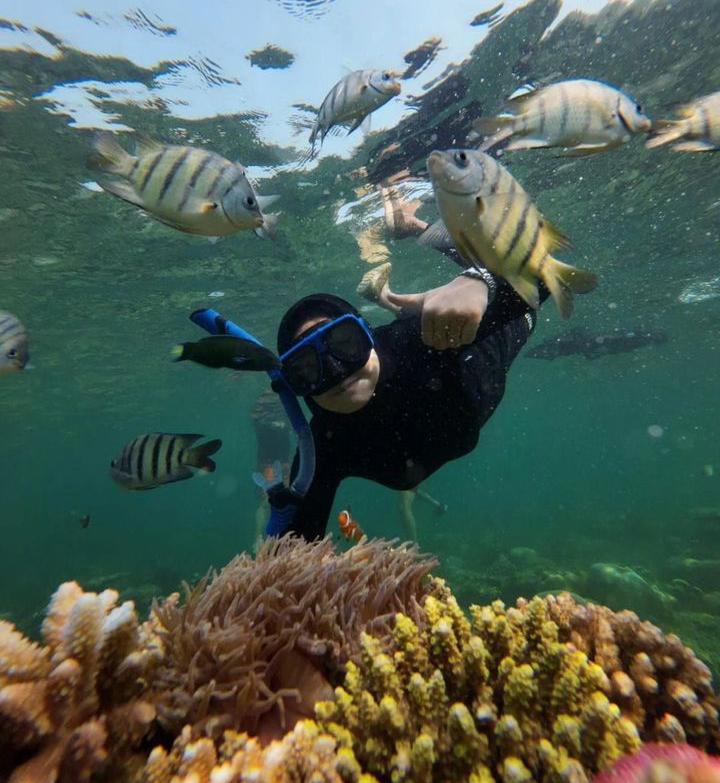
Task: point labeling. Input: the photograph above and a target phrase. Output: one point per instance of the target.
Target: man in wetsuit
(394, 404)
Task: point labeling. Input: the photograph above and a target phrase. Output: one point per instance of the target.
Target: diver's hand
(450, 314)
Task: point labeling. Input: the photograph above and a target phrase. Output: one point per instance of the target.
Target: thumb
(409, 303)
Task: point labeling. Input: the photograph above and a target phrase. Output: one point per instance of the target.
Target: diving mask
(327, 355)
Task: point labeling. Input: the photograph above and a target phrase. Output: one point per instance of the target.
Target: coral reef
(252, 647)
(303, 754)
(72, 707)
(549, 690)
(656, 762)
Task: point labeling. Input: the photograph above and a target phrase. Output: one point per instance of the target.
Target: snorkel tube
(280, 518)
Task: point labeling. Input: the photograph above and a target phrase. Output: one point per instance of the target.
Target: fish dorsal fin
(524, 92)
(145, 145)
(188, 439)
(554, 238)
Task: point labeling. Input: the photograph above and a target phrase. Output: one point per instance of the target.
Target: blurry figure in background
(697, 128)
(272, 436)
(407, 501)
(14, 354)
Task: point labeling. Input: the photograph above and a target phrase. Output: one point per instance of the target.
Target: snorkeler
(394, 404)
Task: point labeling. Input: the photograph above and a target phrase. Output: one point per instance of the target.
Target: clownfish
(349, 528)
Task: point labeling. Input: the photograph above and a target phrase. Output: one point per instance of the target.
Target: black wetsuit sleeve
(311, 518)
(506, 307)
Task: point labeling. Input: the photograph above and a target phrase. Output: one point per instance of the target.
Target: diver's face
(356, 391)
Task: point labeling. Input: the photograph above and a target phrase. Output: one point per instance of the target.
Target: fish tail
(108, 155)
(563, 281)
(493, 130)
(665, 132)
(199, 456)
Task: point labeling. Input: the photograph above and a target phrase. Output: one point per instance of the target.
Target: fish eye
(461, 159)
(638, 108)
(386, 76)
(250, 201)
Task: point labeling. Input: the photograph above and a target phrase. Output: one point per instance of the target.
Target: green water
(566, 467)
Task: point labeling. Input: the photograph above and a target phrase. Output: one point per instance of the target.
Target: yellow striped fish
(161, 458)
(493, 223)
(14, 353)
(697, 130)
(582, 115)
(190, 189)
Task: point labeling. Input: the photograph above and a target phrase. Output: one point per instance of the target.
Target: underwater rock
(524, 556)
(620, 587)
(69, 704)
(251, 647)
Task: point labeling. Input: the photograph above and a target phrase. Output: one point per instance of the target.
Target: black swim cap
(313, 306)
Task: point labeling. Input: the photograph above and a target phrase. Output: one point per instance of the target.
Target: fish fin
(124, 191)
(358, 122)
(199, 456)
(527, 288)
(366, 126)
(526, 144)
(108, 155)
(665, 132)
(695, 146)
(487, 126)
(563, 281)
(188, 438)
(524, 91)
(265, 201)
(179, 226)
(554, 238)
(496, 139)
(436, 236)
(583, 150)
(145, 145)
(268, 230)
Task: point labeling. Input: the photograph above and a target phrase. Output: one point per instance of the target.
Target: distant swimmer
(161, 458)
(580, 342)
(494, 223)
(14, 353)
(582, 115)
(189, 189)
(351, 100)
(696, 130)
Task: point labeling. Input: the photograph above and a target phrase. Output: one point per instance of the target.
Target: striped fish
(13, 344)
(161, 458)
(190, 189)
(697, 130)
(581, 115)
(351, 100)
(493, 223)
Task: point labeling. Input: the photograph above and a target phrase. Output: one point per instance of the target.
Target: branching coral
(536, 692)
(304, 755)
(252, 646)
(64, 705)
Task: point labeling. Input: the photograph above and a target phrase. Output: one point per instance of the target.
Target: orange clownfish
(348, 526)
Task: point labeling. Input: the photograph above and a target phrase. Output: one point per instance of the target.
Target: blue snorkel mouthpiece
(281, 516)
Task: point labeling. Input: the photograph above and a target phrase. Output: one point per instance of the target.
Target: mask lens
(348, 342)
(302, 370)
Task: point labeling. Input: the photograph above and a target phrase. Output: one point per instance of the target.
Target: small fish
(353, 99)
(161, 458)
(14, 354)
(582, 115)
(580, 342)
(189, 189)
(488, 17)
(85, 521)
(494, 223)
(697, 130)
(225, 350)
(270, 476)
(349, 528)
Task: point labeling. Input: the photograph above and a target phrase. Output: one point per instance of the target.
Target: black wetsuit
(428, 408)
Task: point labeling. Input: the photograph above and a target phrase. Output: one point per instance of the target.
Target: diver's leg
(440, 508)
(406, 513)
(261, 518)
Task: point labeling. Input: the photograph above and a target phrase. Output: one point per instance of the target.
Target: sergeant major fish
(582, 115)
(14, 353)
(353, 99)
(697, 130)
(494, 223)
(190, 189)
(161, 458)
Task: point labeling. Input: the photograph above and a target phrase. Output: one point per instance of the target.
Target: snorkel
(280, 518)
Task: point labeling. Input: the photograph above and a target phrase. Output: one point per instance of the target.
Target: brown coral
(304, 755)
(251, 647)
(65, 704)
(535, 692)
